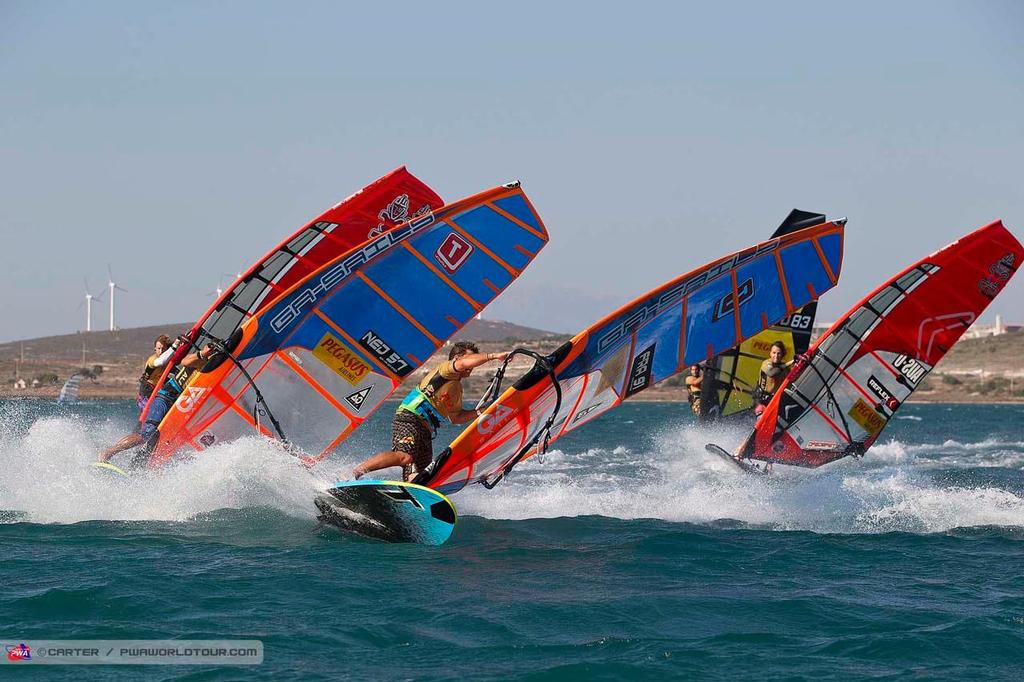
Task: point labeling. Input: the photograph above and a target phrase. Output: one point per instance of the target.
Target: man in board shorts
(437, 397)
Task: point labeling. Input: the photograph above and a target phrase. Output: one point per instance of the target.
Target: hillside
(976, 370)
(121, 354)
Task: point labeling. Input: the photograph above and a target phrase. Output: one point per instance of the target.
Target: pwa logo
(19, 652)
(191, 398)
(489, 422)
(453, 252)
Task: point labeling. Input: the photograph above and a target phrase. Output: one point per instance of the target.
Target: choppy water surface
(627, 552)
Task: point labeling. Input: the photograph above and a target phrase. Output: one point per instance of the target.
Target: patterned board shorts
(410, 435)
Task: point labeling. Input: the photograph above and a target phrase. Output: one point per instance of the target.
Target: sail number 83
(796, 321)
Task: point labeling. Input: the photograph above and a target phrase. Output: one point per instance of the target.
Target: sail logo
(999, 273)
(19, 652)
(342, 270)
(357, 399)
(796, 321)
(909, 368)
(492, 420)
(640, 374)
(396, 212)
(190, 399)
(343, 360)
(867, 417)
(453, 252)
(585, 411)
(729, 303)
(385, 352)
(882, 393)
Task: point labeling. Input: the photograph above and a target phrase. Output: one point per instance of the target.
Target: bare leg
(382, 460)
(130, 441)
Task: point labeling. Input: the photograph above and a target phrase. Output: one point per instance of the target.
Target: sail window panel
(908, 280)
(274, 265)
(837, 347)
(860, 322)
(308, 420)
(810, 383)
(224, 322)
(489, 463)
(302, 241)
(359, 398)
(885, 299)
(245, 294)
(210, 407)
(228, 426)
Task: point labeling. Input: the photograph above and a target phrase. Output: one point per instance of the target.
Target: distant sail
(380, 206)
(69, 391)
(730, 380)
(328, 352)
(870, 361)
(688, 319)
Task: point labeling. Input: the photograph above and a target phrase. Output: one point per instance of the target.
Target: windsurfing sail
(837, 401)
(689, 319)
(729, 385)
(69, 391)
(310, 367)
(380, 206)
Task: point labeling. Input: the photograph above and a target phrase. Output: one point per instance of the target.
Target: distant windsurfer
(773, 373)
(165, 397)
(162, 352)
(438, 396)
(693, 388)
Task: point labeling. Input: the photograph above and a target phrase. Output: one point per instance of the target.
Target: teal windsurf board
(391, 511)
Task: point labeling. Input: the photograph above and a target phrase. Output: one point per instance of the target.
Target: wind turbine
(89, 298)
(112, 286)
(220, 287)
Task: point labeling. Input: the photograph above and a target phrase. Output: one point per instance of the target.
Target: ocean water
(627, 553)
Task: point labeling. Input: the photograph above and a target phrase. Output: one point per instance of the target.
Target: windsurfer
(162, 352)
(438, 395)
(773, 373)
(693, 388)
(165, 397)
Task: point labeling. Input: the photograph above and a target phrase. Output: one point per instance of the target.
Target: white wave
(667, 476)
(677, 481)
(46, 475)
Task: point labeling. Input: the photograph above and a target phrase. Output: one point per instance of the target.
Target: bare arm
(464, 363)
(463, 416)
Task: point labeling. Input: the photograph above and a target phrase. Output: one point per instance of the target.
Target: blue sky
(180, 141)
